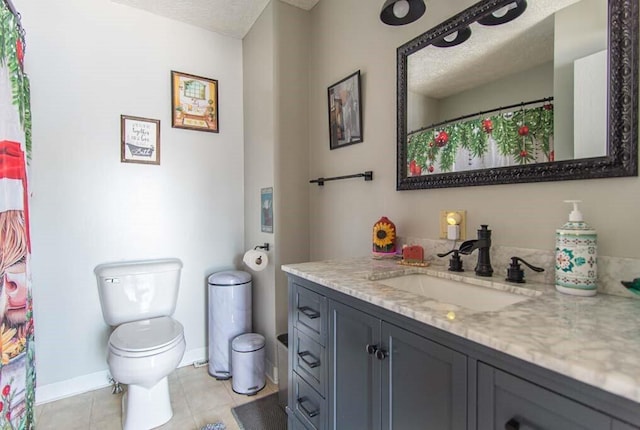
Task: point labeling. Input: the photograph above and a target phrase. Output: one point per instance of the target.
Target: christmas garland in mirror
(519, 137)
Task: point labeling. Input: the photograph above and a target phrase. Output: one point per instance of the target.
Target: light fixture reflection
(504, 14)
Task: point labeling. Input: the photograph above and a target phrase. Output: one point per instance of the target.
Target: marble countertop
(595, 340)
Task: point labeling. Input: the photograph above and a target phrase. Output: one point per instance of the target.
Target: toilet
(146, 345)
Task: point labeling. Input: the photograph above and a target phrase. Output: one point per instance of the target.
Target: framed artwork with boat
(139, 140)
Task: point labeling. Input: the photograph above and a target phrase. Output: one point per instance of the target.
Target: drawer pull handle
(512, 424)
(309, 413)
(371, 349)
(311, 363)
(310, 313)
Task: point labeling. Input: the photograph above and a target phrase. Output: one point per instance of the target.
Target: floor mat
(261, 414)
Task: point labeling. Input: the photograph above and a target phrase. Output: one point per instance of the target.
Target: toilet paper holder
(265, 246)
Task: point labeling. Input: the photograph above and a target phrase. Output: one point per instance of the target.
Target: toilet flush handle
(112, 280)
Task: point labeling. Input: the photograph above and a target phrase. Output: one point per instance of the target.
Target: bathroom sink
(473, 297)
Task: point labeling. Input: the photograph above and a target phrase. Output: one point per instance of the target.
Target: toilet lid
(146, 335)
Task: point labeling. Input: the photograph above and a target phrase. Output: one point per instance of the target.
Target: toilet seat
(146, 337)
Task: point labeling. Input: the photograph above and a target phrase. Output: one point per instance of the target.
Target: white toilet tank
(137, 290)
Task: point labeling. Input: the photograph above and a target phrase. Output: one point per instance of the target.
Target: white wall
(580, 30)
(90, 62)
(347, 36)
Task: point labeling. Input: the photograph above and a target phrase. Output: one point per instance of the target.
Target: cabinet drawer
(506, 401)
(308, 405)
(309, 361)
(293, 423)
(310, 313)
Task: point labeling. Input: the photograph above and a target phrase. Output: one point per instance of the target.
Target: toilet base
(146, 408)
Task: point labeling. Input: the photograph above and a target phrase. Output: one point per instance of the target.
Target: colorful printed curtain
(17, 368)
(523, 136)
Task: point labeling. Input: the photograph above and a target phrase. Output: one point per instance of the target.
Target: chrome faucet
(483, 245)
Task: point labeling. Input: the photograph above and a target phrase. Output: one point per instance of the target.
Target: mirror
(511, 91)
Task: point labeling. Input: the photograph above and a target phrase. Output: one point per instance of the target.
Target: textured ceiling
(489, 54)
(232, 18)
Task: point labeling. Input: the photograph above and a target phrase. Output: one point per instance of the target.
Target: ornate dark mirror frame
(622, 142)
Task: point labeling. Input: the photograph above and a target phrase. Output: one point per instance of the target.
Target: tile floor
(197, 399)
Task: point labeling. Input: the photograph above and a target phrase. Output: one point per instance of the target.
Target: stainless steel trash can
(229, 316)
(247, 361)
(283, 369)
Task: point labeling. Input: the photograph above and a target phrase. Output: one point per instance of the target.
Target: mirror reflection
(526, 84)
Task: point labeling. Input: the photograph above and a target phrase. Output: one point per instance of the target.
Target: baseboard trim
(94, 381)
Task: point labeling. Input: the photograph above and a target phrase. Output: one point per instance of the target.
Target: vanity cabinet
(509, 402)
(356, 366)
(384, 377)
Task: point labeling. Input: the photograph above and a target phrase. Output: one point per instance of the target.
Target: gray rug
(261, 414)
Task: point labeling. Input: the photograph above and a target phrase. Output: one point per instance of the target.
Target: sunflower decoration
(384, 236)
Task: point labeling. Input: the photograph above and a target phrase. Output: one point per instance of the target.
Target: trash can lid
(248, 342)
(230, 277)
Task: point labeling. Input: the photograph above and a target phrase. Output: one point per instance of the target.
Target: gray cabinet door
(354, 374)
(508, 402)
(424, 384)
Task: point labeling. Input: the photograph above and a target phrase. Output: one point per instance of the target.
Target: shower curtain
(17, 367)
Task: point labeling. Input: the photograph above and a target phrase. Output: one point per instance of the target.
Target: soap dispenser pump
(576, 255)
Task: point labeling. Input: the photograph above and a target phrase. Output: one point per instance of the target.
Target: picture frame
(345, 112)
(266, 210)
(194, 102)
(139, 140)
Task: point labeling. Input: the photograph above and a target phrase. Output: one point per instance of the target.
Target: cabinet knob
(371, 349)
(381, 354)
(512, 424)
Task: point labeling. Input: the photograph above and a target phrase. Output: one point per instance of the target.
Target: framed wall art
(194, 102)
(139, 140)
(345, 114)
(266, 210)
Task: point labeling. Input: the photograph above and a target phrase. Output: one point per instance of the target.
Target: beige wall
(259, 144)
(347, 35)
(276, 154)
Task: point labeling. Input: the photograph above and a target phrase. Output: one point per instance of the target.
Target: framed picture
(345, 114)
(266, 212)
(139, 140)
(194, 102)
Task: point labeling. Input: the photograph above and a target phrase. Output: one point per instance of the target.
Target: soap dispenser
(576, 256)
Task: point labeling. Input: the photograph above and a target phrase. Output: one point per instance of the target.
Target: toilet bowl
(147, 344)
(142, 354)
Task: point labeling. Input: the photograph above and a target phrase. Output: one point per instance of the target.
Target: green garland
(11, 55)
(516, 134)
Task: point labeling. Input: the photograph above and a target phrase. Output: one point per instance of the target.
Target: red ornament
(6, 390)
(552, 156)
(431, 169)
(19, 51)
(523, 131)
(523, 153)
(431, 144)
(442, 138)
(414, 168)
(487, 125)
